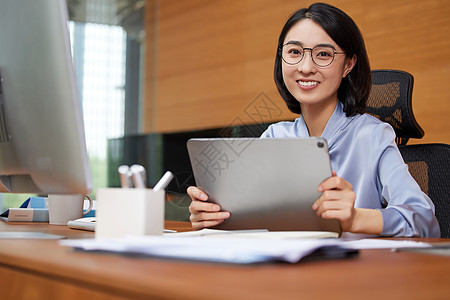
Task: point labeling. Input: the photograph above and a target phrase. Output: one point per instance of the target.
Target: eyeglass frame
(310, 52)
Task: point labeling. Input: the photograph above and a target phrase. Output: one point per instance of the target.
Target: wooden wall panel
(209, 62)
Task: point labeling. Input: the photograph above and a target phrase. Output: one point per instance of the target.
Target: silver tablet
(264, 183)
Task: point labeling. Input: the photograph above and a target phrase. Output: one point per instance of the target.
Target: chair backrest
(390, 101)
(429, 164)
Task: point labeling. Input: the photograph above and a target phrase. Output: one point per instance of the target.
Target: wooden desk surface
(41, 269)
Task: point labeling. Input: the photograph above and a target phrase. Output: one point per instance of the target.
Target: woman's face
(308, 83)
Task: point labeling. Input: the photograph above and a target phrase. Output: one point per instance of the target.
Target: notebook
(264, 183)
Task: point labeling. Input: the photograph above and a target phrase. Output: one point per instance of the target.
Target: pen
(139, 176)
(164, 181)
(124, 174)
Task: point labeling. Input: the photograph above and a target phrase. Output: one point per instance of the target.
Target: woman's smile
(308, 84)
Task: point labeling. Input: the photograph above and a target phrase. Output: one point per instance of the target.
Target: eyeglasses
(322, 56)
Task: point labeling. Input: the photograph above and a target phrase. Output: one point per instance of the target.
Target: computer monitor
(42, 140)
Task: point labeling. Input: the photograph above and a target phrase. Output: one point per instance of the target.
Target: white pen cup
(124, 212)
(63, 208)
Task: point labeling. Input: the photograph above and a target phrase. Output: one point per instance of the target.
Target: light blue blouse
(363, 152)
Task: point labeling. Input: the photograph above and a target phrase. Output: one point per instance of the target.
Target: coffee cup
(63, 208)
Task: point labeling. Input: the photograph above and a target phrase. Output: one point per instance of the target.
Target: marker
(125, 176)
(164, 181)
(139, 176)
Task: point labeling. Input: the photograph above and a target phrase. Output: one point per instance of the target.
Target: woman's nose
(306, 65)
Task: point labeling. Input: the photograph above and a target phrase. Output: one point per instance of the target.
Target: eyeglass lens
(322, 56)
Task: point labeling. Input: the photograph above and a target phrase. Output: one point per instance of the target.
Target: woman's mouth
(307, 84)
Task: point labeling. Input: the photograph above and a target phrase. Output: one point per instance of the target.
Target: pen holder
(127, 211)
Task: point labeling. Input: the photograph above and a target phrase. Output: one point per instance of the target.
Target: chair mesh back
(429, 164)
(390, 101)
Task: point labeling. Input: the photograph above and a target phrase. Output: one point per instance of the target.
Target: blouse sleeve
(409, 211)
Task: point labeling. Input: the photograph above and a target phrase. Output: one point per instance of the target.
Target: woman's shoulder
(373, 128)
(371, 122)
(368, 120)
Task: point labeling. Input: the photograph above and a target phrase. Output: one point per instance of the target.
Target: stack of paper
(210, 249)
(239, 250)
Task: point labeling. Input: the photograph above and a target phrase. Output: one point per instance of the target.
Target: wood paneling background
(209, 63)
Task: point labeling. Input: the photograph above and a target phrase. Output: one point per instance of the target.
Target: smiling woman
(371, 191)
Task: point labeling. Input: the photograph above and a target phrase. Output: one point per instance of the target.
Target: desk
(41, 269)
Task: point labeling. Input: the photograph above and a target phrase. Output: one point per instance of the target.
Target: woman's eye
(294, 52)
(321, 53)
(324, 54)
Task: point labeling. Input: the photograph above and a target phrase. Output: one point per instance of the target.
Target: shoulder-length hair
(355, 87)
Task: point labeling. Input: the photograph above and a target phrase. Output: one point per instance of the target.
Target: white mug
(63, 208)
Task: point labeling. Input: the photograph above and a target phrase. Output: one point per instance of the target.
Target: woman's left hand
(337, 201)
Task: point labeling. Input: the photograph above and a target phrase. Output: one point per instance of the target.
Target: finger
(197, 194)
(198, 206)
(330, 195)
(207, 216)
(334, 182)
(205, 224)
(326, 196)
(329, 205)
(346, 196)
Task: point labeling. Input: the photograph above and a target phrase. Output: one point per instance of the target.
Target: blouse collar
(337, 122)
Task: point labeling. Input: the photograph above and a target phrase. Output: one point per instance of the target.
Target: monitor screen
(42, 140)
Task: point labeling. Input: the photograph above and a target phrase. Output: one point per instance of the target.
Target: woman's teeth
(307, 83)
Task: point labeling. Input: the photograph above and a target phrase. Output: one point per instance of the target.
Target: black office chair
(429, 164)
(390, 100)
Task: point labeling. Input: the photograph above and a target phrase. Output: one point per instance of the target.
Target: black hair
(355, 87)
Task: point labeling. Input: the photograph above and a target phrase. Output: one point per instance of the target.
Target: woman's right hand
(203, 213)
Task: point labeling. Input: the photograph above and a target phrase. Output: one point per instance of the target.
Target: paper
(229, 250)
(258, 233)
(233, 250)
(88, 223)
(383, 244)
(436, 249)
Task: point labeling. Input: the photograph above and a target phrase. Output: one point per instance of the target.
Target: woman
(322, 71)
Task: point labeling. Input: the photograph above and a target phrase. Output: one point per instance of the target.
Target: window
(100, 67)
